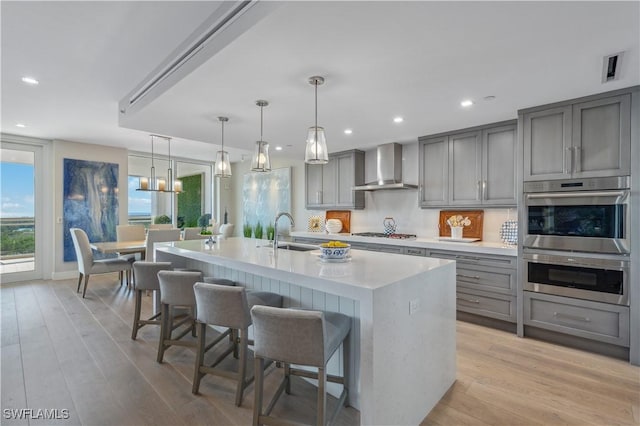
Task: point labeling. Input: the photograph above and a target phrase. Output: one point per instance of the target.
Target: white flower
(458, 220)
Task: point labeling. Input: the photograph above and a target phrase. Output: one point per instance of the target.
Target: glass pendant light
(223, 166)
(149, 183)
(171, 185)
(316, 151)
(261, 161)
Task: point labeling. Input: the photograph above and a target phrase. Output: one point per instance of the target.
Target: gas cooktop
(382, 235)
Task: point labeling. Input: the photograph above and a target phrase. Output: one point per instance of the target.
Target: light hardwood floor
(62, 351)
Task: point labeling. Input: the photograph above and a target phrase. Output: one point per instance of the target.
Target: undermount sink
(297, 247)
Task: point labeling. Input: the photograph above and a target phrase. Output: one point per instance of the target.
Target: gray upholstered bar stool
(147, 279)
(294, 336)
(176, 290)
(219, 281)
(227, 306)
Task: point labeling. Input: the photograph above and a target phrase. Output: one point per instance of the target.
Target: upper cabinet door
(350, 173)
(465, 173)
(602, 137)
(329, 184)
(434, 172)
(499, 165)
(547, 144)
(313, 174)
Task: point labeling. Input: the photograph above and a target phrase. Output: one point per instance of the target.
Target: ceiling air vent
(611, 66)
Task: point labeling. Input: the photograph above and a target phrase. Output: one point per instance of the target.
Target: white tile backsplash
(402, 205)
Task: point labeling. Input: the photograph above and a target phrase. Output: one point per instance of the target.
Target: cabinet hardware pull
(571, 317)
(475, 277)
(569, 159)
(484, 190)
(319, 197)
(468, 300)
(475, 259)
(479, 191)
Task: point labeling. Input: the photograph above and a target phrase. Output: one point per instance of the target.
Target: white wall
(81, 151)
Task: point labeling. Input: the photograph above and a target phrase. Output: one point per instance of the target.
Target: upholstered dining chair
(87, 266)
(193, 234)
(227, 230)
(160, 226)
(130, 233)
(159, 236)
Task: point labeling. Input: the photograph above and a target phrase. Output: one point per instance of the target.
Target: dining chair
(159, 236)
(227, 230)
(87, 265)
(193, 234)
(161, 226)
(130, 233)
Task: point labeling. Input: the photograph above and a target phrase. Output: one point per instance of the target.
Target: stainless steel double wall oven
(576, 239)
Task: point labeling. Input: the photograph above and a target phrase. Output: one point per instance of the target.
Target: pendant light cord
(316, 129)
(261, 141)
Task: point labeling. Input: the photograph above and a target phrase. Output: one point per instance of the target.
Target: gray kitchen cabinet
(465, 174)
(591, 320)
(485, 284)
(434, 171)
(330, 185)
(499, 165)
(474, 167)
(590, 137)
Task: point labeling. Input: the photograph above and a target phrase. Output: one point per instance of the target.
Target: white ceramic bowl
(335, 252)
(333, 226)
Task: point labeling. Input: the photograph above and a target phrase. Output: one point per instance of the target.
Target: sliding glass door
(20, 256)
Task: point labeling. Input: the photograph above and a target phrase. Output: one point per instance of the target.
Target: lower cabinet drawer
(491, 305)
(486, 278)
(583, 318)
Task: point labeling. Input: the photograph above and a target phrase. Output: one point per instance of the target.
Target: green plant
(204, 232)
(247, 230)
(257, 230)
(203, 222)
(163, 218)
(270, 232)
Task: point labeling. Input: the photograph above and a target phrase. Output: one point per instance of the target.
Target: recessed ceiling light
(30, 80)
(466, 103)
(348, 131)
(278, 148)
(489, 98)
(21, 125)
(398, 120)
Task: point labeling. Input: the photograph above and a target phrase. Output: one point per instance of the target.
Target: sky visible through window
(17, 188)
(139, 201)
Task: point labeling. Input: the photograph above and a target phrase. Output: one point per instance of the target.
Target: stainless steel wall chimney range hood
(388, 170)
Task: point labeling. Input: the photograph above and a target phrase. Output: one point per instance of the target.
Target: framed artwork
(90, 201)
(264, 194)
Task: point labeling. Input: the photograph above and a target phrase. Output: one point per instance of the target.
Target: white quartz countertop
(365, 271)
(429, 243)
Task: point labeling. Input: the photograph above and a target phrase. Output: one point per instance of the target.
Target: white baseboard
(64, 275)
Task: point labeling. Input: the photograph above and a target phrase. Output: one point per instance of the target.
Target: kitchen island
(403, 345)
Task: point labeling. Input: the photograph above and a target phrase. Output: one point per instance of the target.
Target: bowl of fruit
(335, 250)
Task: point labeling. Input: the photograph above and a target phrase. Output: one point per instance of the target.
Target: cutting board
(472, 231)
(343, 215)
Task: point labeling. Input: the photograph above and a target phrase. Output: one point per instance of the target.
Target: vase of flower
(457, 224)
(456, 232)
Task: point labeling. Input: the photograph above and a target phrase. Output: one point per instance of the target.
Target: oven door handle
(577, 194)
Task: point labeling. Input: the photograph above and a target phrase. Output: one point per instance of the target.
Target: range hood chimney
(388, 170)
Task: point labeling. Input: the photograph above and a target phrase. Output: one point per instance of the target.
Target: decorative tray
(472, 231)
(343, 215)
(459, 240)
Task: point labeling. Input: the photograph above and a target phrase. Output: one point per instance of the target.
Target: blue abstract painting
(90, 201)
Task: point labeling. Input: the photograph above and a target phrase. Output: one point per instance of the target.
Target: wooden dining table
(122, 247)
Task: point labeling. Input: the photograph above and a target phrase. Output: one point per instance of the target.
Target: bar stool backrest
(176, 287)
(222, 305)
(295, 336)
(147, 274)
